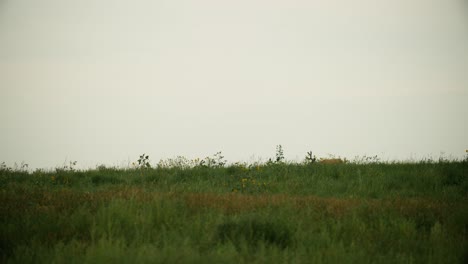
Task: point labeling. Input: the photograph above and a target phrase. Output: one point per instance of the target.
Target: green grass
(276, 213)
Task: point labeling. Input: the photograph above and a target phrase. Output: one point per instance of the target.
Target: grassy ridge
(294, 213)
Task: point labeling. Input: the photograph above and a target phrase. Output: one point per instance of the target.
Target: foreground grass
(343, 213)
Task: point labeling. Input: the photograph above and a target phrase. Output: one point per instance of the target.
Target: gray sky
(102, 81)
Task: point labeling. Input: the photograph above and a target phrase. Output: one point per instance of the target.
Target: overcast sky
(103, 81)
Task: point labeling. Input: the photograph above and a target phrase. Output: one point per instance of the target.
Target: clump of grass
(67, 168)
(180, 162)
(249, 185)
(217, 161)
(253, 232)
(105, 179)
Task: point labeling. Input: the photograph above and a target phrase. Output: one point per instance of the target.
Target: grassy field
(275, 212)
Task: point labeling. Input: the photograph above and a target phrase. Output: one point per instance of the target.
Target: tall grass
(275, 213)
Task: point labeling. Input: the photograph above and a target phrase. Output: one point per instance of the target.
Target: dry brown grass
(331, 161)
(43, 201)
(335, 207)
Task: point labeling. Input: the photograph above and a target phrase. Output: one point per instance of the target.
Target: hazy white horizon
(101, 82)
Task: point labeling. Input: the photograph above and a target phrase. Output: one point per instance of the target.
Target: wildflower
(52, 178)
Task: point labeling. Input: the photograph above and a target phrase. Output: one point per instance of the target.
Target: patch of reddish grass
(20, 200)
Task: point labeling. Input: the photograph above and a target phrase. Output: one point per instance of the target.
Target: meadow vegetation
(209, 211)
